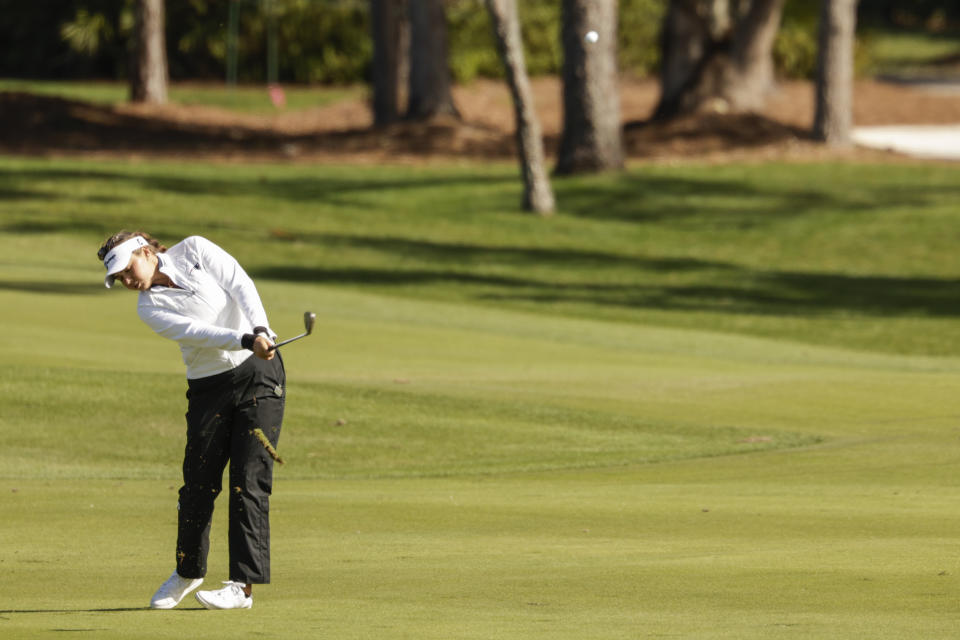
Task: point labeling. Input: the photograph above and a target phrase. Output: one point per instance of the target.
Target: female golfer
(197, 294)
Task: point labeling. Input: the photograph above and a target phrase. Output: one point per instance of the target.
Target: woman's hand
(262, 348)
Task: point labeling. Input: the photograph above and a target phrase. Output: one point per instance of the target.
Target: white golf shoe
(173, 590)
(231, 596)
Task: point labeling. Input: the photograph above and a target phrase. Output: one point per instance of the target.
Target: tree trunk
(685, 40)
(833, 122)
(717, 55)
(148, 78)
(430, 92)
(592, 138)
(537, 193)
(753, 69)
(385, 20)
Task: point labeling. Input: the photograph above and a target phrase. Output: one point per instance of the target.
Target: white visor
(118, 258)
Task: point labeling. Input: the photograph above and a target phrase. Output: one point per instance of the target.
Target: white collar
(168, 267)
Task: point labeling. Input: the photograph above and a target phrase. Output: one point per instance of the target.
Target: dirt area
(344, 133)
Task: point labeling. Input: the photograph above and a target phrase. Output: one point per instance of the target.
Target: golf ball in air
(591, 37)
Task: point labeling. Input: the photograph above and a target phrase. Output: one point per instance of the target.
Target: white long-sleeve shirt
(212, 306)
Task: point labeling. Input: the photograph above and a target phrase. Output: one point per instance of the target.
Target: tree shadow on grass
(638, 197)
(748, 292)
(463, 253)
(61, 288)
(557, 275)
(31, 227)
(552, 275)
(764, 294)
(732, 203)
(320, 188)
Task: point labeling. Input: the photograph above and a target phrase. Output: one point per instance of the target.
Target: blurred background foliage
(328, 42)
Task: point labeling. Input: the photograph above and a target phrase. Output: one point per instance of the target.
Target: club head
(308, 319)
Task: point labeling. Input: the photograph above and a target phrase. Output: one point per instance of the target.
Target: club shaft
(289, 340)
(308, 320)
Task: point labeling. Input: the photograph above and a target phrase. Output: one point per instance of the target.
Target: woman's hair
(123, 236)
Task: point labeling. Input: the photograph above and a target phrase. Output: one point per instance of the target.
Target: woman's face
(138, 275)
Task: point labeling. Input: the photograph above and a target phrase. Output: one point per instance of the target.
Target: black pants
(223, 411)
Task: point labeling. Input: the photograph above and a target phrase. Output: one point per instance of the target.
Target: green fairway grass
(700, 402)
(244, 98)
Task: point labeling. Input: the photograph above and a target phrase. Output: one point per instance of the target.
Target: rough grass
(841, 255)
(244, 98)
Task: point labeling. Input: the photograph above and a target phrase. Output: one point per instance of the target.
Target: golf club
(308, 319)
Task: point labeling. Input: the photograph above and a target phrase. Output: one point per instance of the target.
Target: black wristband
(247, 341)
